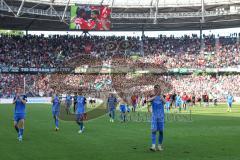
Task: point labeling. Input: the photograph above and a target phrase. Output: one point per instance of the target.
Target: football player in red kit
(104, 19)
(184, 100)
(81, 19)
(168, 101)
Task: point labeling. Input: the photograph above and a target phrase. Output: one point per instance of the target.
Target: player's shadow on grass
(97, 112)
(139, 116)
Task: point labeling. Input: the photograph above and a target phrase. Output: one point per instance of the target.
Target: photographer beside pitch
(157, 121)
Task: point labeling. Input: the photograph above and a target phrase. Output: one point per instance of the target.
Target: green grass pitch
(213, 134)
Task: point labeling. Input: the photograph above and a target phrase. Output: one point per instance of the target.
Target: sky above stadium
(220, 32)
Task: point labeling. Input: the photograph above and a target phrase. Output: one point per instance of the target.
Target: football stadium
(120, 79)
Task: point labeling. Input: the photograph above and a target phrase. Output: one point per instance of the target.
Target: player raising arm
(157, 120)
(19, 113)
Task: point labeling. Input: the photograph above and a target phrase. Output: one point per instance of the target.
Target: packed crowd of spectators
(160, 53)
(34, 85)
(73, 51)
(45, 85)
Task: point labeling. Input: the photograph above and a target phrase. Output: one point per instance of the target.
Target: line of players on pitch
(157, 109)
(157, 112)
(20, 111)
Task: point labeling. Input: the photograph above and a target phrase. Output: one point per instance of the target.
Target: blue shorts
(229, 104)
(55, 113)
(178, 104)
(184, 102)
(80, 116)
(19, 116)
(167, 104)
(157, 124)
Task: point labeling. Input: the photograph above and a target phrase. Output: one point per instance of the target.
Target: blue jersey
(19, 106)
(158, 108)
(178, 99)
(56, 104)
(68, 99)
(112, 102)
(81, 101)
(123, 108)
(229, 99)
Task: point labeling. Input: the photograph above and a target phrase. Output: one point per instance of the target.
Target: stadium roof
(137, 3)
(128, 15)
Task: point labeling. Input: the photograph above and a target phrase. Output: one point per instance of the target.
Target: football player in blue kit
(229, 102)
(68, 103)
(80, 111)
(19, 113)
(157, 119)
(56, 110)
(111, 105)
